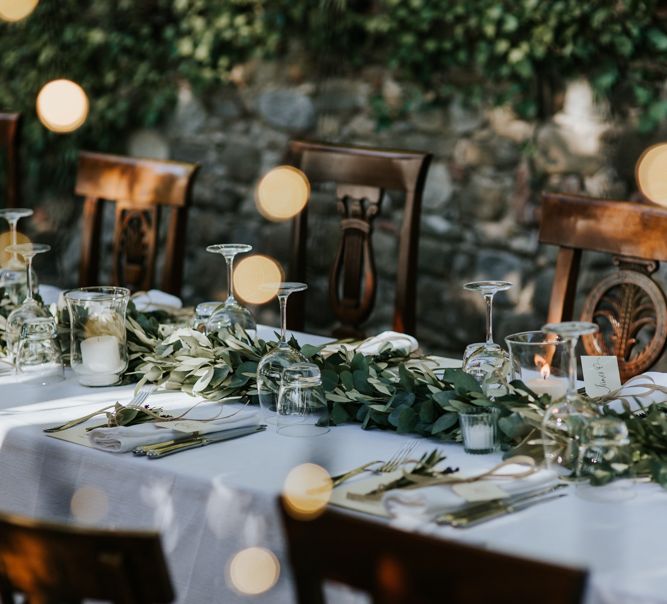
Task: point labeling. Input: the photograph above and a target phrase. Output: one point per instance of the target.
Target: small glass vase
(479, 428)
(98, 340)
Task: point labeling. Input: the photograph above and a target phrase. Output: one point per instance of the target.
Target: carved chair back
(10, 127)
(362, 175)
(398, 567)
(628, 305)
(140, 188)
(48, 562)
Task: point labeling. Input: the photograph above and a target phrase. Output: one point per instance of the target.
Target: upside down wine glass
(12, 276)
(272, 364)
(566, 419)
(230, 313)
(487, 362)
(30, 309)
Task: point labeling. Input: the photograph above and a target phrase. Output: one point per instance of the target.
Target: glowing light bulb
(62, 106)
(15, 10)
(307, 491)
(253, 571)
(651, 173)
(256, 279)
(282, 193)
(89, 504)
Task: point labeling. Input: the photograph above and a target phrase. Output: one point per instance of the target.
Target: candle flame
(545, 371)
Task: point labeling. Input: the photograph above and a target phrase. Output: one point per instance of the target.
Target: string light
(89, 504)
(282, 193)
(62, 106)
(307, 491)
(651, 173)
(256, 279)
(253, 571)
(15, 10)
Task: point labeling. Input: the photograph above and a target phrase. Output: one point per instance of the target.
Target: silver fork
(139, 397)
(393, 463)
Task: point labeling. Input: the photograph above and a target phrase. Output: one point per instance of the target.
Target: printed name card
(479, 491)
(601, 375)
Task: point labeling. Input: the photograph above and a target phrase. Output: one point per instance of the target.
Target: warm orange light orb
(253, 571)
(651, 173)
(89, 504)
(62, 106)
(15, 10)
(307, 491)
(282, 193)
(256, 279)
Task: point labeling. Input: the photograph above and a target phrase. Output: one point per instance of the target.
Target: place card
(601, 375)
(190, 426)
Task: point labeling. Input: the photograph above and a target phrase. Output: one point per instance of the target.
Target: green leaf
(463, 383)
(444, 422)
(329, 379)
(339, 415)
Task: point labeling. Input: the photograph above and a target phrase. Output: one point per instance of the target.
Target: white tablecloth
(211, 502)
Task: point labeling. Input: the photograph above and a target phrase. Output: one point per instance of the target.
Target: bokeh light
(62, 106)
(307, 491)
(89, 504)
(253, 571)
(15, 10)
(5, 240)
(651, 173)
(252, 275)
(282, 193)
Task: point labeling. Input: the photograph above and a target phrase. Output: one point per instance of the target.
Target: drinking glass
(606, 456)
(302, 406)
(272, 364)
(203, 312)
(541, 361)
(98, 340)
(12, 276)
(230, 313)
(487, 362)
(30, 309)
(38, 354)
(566, 419)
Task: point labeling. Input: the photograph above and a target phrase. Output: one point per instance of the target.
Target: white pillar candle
(101, 354)
(479, 437)
(542, 382)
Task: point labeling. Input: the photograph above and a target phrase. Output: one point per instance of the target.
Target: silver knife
(190, 442)
(493, 504)
(501, 510)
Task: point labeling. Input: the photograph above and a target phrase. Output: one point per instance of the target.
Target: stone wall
(481, 202)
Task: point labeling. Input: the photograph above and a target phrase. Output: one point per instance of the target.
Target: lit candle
(545, 383)
(479, 437)
(101, 354)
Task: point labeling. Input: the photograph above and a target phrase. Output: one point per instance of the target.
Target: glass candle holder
(98, 341)
(541, 361)
(479, 428)
(38, 355)
(302, 406)
(203, 312)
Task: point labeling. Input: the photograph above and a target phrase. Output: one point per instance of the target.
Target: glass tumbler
(302, 407)
(479, 428)
(38, 355)
(203, 311)
(98, 340)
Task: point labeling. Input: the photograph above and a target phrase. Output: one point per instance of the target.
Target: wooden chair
(396, 567)
(49, 563)
(628, 304)
(362, 176)
(10, 129)
(139, 188)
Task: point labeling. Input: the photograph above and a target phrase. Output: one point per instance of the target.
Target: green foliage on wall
(129, 55)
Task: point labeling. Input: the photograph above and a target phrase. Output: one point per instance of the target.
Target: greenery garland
(389, 391)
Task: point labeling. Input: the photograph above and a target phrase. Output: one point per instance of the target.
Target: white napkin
(127, 438)
(372, 346)
(429, 502)
(49, 294)
(635, 387)
(154, 299)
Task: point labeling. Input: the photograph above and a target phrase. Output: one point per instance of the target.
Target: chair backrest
(55, 563)
(139, 188)
(628, 305)
(362, 176)
(10, 127)
(396, 567)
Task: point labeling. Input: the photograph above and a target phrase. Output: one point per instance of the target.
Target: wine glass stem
(488, 298)
(282, 298)
(12, 227)
(230, 278)
(28, 271)
(572, 369)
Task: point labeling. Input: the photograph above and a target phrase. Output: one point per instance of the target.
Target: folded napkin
(154, 299)
(429, 502)
(126, 438)
(644, 388)
(371, 346)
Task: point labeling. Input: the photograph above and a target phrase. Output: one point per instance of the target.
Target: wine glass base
(303, 431)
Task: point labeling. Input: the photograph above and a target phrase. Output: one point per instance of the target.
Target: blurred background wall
(512, 98)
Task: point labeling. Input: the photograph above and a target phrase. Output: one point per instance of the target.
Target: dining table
(209, 503)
